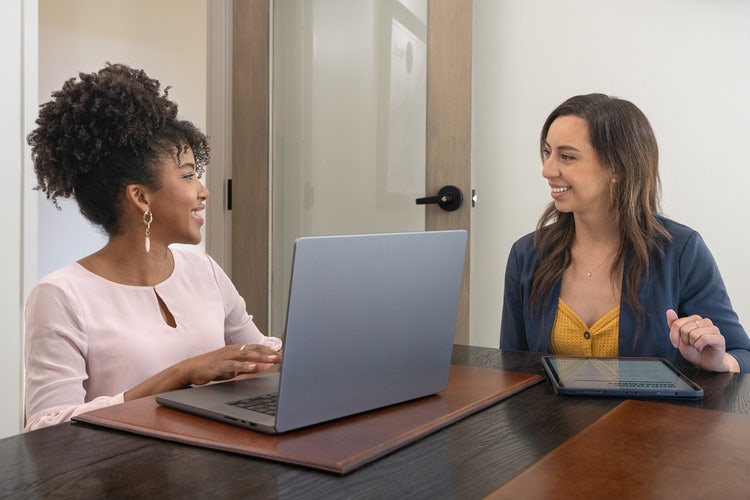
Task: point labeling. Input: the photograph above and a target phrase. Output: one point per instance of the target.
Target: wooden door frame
(449, 48)
(251, 180)
(448, 155)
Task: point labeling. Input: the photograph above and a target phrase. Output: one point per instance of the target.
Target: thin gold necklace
(589, 273)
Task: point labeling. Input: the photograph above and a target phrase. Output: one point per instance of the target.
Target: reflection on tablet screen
(617, 373)
(618, 376)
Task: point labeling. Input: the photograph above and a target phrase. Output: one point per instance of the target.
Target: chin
(196, 238)
(560, 207)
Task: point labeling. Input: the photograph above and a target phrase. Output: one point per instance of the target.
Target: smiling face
(178, 204)
(579, 183)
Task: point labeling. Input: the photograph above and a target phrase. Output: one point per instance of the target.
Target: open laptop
(370, 323)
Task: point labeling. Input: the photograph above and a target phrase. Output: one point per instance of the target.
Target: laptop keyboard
(265, 403)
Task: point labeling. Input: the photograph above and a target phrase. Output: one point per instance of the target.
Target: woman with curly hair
(604, 274)
(137, 317)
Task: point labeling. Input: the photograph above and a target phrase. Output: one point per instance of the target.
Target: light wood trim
(250, 155)
(448, 156)
(218, 129)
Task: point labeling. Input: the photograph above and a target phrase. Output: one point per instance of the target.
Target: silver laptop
(370, 323)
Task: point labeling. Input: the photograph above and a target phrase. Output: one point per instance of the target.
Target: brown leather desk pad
(339, 446)
(645, 450)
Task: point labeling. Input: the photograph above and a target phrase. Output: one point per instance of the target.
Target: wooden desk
(466, 460)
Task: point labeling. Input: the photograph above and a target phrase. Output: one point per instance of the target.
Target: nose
(549, 168)
(203, 192)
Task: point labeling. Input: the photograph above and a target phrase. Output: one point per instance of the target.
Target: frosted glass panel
(349, 81)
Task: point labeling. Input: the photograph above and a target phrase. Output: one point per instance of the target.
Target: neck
(125, 261)
(598, 233)
(595, 246)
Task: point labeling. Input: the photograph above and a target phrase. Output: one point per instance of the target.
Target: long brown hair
(624, 142)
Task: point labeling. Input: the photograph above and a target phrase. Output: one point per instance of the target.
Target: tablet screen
(621, 377)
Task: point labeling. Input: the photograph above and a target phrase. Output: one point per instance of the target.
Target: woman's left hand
(700, 342)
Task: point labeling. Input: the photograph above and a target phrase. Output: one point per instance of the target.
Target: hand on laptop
(221, 364)
(700, 342)
(229, 362)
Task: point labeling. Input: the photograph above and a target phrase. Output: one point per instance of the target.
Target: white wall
(683, 62)
(166, 38)
(11, 259)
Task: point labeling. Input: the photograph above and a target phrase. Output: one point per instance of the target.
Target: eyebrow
(187, 165)
(563, 148)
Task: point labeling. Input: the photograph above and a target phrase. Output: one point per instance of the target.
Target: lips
(198, 214)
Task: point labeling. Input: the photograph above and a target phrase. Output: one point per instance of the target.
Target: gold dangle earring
(147, 218)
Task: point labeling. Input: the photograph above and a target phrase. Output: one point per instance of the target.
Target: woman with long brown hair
(605, 274)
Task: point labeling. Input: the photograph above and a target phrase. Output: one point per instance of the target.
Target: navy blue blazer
(686, 279)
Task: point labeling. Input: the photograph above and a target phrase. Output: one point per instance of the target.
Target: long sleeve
(521, 328)
(56, 360)
(512, 327)
(89, 340)
(238, 326)
(683, 276)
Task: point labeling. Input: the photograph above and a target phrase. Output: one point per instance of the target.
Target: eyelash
(546, 154)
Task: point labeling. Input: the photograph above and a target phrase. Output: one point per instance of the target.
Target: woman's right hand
(228, 362)
(221, 364)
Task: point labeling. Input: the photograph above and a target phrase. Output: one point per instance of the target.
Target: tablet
(618, 377)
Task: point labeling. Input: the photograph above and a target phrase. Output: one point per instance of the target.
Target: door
(371, 109)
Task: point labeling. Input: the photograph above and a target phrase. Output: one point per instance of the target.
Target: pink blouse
(88, 340)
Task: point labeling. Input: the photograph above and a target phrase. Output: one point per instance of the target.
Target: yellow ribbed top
(571, 336)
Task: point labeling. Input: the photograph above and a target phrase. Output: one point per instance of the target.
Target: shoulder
(523, 257)
(524, 244)
(61, 293)
(192, 260)
(524, 252)
(66, 279)
(196, 264)
(194, 256)
(686, 251)
(684, 238)
(679, 232)
(71, 271)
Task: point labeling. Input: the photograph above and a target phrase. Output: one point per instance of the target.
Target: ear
(138, 196)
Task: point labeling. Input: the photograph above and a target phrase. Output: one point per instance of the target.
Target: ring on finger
(697, 324)
(242, 349)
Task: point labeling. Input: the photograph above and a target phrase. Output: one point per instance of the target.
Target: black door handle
(449, 198)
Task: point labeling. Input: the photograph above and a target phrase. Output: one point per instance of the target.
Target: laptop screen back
(379, 312)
